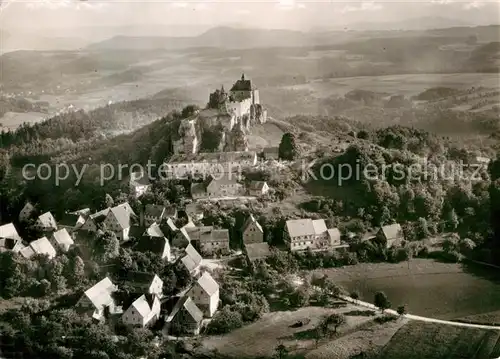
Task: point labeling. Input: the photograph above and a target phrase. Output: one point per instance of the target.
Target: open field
(427, 287)
(435, 341)
(408, 85)
(260, 338)
(265, 135)
(370, 338)
(12, 120)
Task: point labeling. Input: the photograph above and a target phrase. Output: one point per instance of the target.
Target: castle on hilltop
(234, 113)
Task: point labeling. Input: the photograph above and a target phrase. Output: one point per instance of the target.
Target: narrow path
(417, 317)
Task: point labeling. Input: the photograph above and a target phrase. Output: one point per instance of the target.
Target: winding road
(417, 317)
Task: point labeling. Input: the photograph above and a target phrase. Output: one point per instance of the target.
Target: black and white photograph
(265, 179)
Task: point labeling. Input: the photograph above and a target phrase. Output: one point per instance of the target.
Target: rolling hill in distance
(241, 38)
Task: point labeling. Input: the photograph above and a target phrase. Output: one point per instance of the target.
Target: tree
(281, 352)
(422, 228)
(401, 310)
(288, 149)
(466, 245)
(336, 320)
(225, 321)
(108, 201)
(106, 246)
(299, 297)
(452, 220)
(381, 301)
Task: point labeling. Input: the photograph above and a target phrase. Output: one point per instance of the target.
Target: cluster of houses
(155, 231)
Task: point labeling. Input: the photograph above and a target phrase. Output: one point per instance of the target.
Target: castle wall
(256, 97)
(240, 108)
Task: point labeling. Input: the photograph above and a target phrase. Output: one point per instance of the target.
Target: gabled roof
(242, 85)
(257, 185)
(139, 278)
(27, 252)
(189, 263)
(154, 231)
(251, 219)
(271, 150)
(70, 220)
(171, 224)
(9, 244)
(145, 304)
(82, 212)
(184, 233)
(187, 303)
(392, 231)
(154, 210)
(199, 233)
(47, 220)
(319, 226)
(43, 246)
(193, 253)
(9, 231)
(63, 238)
(220, 235)
(257, 250)
(139, 178)
(226, 179)
(101, 293)
(123, 215)
(152, 244)
(170, 211)
(334, 234)
(198, 188)
(193, 208)
(208, 284)
(300, 227)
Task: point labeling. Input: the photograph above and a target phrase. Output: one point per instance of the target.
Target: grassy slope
(435, 341)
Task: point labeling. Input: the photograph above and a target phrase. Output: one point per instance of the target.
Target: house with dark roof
(156, 245)
(153, 213)
(144, 311)
(256, 251)
(391, 234)
(194, 211)
(252, 231)
(226, 185)
(271, 153)
(205, 294)
(98, 301)
(185, 318)
(142, 282)
(71, 222)
(62, 240)
(27, 212)
(258, 188)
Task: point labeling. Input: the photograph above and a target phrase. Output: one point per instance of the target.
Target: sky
(68, 15)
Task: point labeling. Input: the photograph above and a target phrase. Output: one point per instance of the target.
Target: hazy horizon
(69, 17)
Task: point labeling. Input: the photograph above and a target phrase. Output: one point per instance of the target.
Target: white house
(139, 183)
(307, 233)
(40, 246)
(205, 294)
(46, 222)
(117, 219)
(9, 231)
(62, 239)
(98, 300)
(144, 311)
(26, 213)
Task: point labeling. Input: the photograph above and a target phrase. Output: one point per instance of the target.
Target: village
(192, 245)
